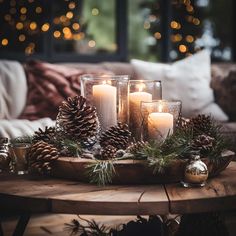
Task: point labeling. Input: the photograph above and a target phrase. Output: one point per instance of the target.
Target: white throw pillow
(187, 80)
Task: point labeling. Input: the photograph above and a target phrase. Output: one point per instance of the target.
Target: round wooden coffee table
(25, 196)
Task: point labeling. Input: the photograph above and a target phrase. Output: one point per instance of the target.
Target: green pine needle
(101, 172)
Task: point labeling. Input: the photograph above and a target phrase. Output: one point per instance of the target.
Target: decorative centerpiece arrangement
(83, 145)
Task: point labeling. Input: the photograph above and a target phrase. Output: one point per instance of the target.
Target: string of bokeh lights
(64, 26)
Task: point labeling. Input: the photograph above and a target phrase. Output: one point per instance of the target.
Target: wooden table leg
(1, 231)
(21, 225)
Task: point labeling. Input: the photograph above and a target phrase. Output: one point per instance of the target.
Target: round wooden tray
(134, 171)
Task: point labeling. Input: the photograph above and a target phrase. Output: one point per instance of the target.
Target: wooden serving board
(133, 171)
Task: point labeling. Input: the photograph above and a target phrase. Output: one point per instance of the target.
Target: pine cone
(201, 124)
(78, 120)
(108, 152)
(40, 156)
(203, 142)
(136, 147)
(117, 136)
(47, 135)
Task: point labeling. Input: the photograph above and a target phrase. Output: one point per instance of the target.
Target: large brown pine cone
(77, 120)
(40, 156)
(47, 135)
(117, 136)
(201, 124)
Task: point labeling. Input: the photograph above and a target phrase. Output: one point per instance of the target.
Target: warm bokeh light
(71, 5)
(66, 30)
(157, 35)
(95, 12)
(38, 10)
(29, 50)
(21, 37)
(45, 27)
(33, 25)
(63, 18)
(183, 48)
(91, 43)
(146, 25)
(4, 42)
(23, 10)
(174, 24)
(76, 26)
(69, 15)
(196, 21)
(57, 34)
(19, 25)
(189, 38)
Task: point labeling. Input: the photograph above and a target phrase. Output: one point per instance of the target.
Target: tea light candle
(135, 99)
(105, 101)
(160, 124)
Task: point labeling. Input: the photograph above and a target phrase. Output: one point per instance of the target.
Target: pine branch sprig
(101, 172)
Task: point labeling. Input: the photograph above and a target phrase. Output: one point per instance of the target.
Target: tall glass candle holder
(141, 90)
(159, 118)
(109, 95)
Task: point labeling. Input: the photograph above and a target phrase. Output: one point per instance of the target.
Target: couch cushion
(224, 85)
(50, 84)
(187, 80)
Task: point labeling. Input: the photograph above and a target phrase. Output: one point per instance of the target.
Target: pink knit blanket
(49, 85)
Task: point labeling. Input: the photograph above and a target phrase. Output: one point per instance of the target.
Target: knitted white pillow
(187, 80)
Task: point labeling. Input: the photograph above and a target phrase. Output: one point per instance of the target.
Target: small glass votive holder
(109, 94)
(159, 119)
(141, 91)
(18, 154)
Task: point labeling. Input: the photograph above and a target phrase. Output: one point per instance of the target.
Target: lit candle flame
(160, 108)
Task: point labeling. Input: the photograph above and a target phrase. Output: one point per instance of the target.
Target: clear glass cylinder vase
(139, 91)
(109, 94)
(159, 118)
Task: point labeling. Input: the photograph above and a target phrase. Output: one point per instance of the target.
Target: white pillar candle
(160, 125)
(135, 121)
(105, 101)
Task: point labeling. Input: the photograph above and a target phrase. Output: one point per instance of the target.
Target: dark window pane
(22, 26)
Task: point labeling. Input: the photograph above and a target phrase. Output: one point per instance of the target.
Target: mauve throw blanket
(48, 86)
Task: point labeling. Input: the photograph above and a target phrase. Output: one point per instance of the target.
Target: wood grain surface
(22, 193)
(218, 194)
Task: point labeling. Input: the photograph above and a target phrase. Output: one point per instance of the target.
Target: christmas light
(95, 12)
(57, 34)
(174, 24)
(91, 43)
(45, 27)
(69, 15)
(21, 37)
(4, 42)
(183, 48)
(38, 10)
(71, 5)
(33, 25)
(76, 26)
(157, 35)
(146, 25)
(23, 10)
(189, 38)
(19, 26)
